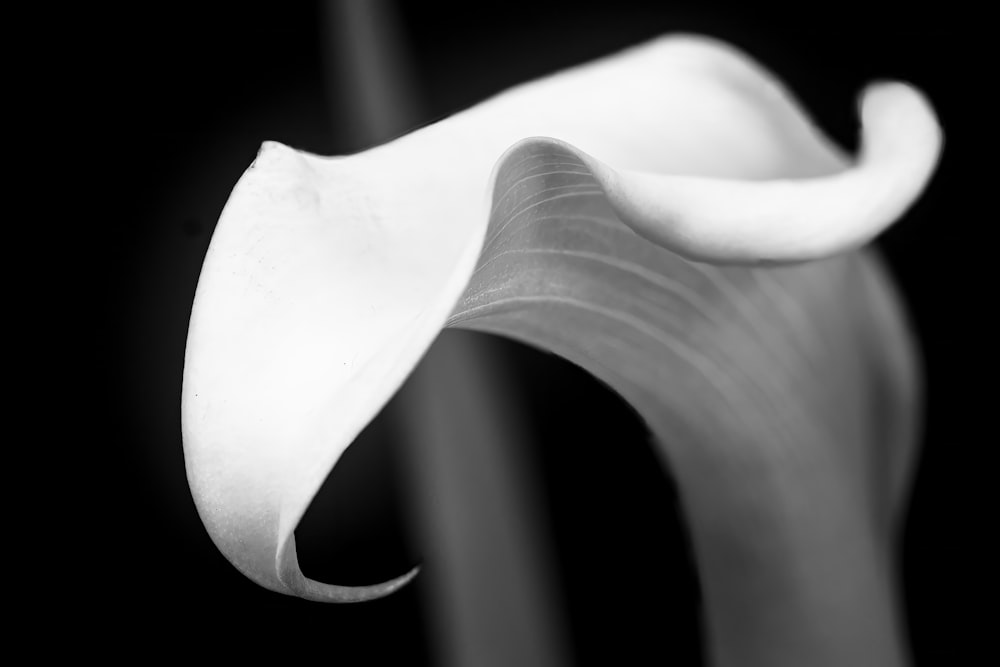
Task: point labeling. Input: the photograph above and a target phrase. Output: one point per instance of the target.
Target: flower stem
(793, 577)
(489, 569)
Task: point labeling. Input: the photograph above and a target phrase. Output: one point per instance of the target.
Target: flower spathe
(625, 200)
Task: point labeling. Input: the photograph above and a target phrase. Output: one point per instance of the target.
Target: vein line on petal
(742, 304)
(524, 210)
(782, 409)
(604, 222)
(715, 376)
(530, 156)
(674, 287)
(611, 224)
(499, 200)
(791, 310)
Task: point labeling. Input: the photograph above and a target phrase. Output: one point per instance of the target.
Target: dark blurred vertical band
(487, 565)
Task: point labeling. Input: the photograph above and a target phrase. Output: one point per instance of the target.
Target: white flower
(627, 214)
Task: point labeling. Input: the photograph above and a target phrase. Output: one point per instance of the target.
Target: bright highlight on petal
(789, 220)
(531, 215)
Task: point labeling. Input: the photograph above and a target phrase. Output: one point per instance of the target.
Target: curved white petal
(328, 278)
(791, 219)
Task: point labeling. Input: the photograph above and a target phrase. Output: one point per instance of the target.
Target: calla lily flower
(669, 219)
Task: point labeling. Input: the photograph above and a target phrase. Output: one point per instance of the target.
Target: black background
(167, 105)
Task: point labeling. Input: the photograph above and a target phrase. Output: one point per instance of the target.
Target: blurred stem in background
(488, 559)
(370, 86)
(489, 562)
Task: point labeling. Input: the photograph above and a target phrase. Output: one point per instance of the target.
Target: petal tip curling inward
(791, 220)
(310, 589)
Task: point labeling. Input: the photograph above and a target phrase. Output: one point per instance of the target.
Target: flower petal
(706, 353)
(328, 278)
(782, 399)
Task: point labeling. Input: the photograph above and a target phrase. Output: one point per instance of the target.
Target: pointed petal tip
(320, 592)
(296, 583)
(260, 550)
(274, 154)
(269, 146)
